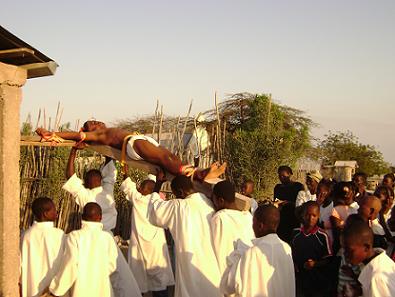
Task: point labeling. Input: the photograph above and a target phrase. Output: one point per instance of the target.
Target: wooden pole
(160, 124)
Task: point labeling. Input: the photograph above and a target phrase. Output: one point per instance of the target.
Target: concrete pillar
(12, 78)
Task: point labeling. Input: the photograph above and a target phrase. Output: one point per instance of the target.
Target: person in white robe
(264, 268)
(228, 223)
(41, 249)
(377, 277)
(148, 254)
(188, 219)
(90, 258)
(98, 187)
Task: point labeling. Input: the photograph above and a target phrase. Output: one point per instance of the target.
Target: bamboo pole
(38, 119)
(218, 130)
(56, 117)
(45, 120)
(160, 124)
(155, 117)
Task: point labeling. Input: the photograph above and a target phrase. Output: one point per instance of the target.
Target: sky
(333, 59)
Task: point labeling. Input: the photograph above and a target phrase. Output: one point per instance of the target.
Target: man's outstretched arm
(77, 136)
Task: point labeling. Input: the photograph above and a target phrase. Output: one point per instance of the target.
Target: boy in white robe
(41, 249)
(89, 259)
(266, 268)
(377, 278)
(188, 219)
(148, 253)
(228, 223)
(98, 187)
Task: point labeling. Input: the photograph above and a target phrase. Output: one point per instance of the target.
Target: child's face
(311, 185)
(311, 216)
(355, 251)
(365, 211)
(388, 182)
(284, 177)
(349, 195)
(51, 214)
(248, 188)
(322, 194)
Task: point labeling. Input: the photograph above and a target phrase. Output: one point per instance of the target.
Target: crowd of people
(328, 239)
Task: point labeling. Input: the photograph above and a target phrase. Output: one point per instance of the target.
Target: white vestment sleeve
(75, 187)
(109, 175)
(161, 213)
(228, 281)
(68, 271)
(130, 190)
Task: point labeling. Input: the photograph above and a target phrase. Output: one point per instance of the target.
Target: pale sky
(333, 59)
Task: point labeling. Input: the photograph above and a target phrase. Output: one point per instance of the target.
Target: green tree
(345, 146)
(270, 135)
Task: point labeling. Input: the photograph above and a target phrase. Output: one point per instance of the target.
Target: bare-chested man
(138, 147)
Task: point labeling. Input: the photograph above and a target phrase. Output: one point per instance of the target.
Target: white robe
(123, 281)
(89, 259)
(228, 226)
(188, 220)
(104, 195)
(148, 252)
(264, 270)
(378, 277)
(41, 252)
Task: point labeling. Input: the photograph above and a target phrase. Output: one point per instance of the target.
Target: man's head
(44, 210)
(386, 196)
(312, 180)
(311, 214)
(369, 208)
(357, 242)
(266, 220)
(92, 179)
(344, 192)
(92, 212)
(360, 180)
(92, 125)
(224, 195)
(147, 187)
(324, 190)
(389, 180)
(247, 188)
(182, 186)
(284, 174)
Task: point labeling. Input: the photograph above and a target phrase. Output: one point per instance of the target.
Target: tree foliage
(269, 135)
(345, 146)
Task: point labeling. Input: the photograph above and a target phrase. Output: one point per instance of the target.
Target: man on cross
(136, 146)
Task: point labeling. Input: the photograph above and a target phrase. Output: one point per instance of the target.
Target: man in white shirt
(90, 257)
(98, 187)
(266, 268)
(41, 249)
(148, 252)
(228, 223)
(188, 219)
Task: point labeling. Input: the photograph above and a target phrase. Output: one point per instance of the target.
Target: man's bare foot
(216, 171)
